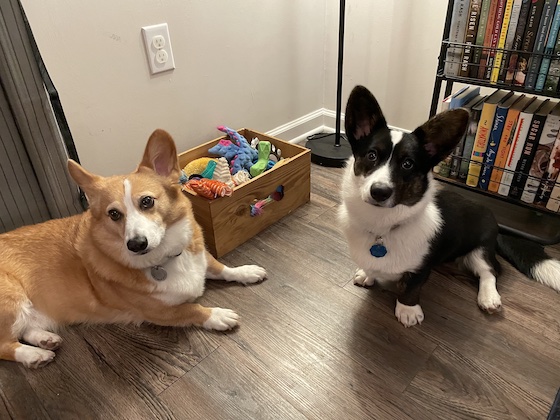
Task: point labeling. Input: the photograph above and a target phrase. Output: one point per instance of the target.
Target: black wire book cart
(515, 51)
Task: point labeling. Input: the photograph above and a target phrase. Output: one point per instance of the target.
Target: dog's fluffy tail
(530, 259)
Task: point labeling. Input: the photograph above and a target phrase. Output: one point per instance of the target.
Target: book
(512, 28)
(496, 29)
(456, 35)
(501, 43)
(470, 37)
(533, 20)
(550, 176)
(529, 149)
(543, 30)
(474, 118)
(487, 40)
(549, 49)
(442, 168)
(466, 100)
(553, 74)
(542, 154)
(554, 200)
(513, 55)
(483, 133)
(494, 140)
(506, 141)
(480, 33)
(521, 131)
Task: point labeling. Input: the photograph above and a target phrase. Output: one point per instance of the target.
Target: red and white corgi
(137, 255)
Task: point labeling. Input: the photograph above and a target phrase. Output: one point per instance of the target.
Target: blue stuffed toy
(239, 153)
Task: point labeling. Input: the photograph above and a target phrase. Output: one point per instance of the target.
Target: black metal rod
(339, 74)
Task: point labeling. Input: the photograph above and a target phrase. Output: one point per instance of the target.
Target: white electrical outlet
(158, 48)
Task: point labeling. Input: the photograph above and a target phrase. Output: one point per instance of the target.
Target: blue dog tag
(378, 250)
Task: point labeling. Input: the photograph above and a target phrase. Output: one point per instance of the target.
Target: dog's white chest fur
(185, 278)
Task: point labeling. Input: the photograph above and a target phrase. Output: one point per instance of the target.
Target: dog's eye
(147, 202)
(407, 164)
(372, 155)
(115, 214)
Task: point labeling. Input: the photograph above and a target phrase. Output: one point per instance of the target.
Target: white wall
(252, 63)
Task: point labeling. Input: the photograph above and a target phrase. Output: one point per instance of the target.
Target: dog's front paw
(33, 357)
(489, 301)
(245, 274)
(361, 278)
(409, 315)
(221, 319)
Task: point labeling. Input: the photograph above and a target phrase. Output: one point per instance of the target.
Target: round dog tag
(159, 273)
(378, 250)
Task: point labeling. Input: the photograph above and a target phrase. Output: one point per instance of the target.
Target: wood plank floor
(311, 346)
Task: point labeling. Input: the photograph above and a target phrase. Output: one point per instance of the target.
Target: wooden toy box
(227, 221)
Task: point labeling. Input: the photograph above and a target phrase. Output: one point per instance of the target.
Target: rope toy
(258, 207)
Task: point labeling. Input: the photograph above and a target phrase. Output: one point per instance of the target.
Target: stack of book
(507, 42)
(511, 147)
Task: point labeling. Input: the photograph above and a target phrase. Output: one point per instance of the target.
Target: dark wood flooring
(311, 345)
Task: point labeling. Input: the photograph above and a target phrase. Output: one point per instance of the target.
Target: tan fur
(71, 269)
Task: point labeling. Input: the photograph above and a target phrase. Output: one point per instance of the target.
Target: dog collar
(158, 272)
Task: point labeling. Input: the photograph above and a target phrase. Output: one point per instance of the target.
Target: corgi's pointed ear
(441, 133)
(160, 155)
(363, 114)
(86, 180)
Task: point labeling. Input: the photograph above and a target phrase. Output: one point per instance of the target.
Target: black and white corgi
(399, 226)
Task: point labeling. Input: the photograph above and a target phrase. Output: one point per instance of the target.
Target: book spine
(549, 49)
(496, 30)
(512, 28)
(501, 42)
(533, 21)
(550, 176)
(517, 41)
(503, 150)
(492, 148)
(516, 147)
(527, 155)
(554, 200)
(456, 158)
(469, 144)
(456, 34)
(480, 143)
(541, 158)
(553, 75)
(470, 37)
(487, 38)
(540, 43)
(480, 32)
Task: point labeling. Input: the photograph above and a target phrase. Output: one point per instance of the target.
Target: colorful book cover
(479, 40)
(517, 41)
(512, 29)
(494, 140)
(470, 37)
(483, 134)
(529, 149)
(506, 141)
(476, 111)
(543, 29)
(456, 34)
(550, 176)
(487, 40)
(549, 49)
(519, 137)
(533, 20)
(542, 154)
(496, 30)
(501, 41)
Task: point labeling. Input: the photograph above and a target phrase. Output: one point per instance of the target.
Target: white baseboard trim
(319, 121)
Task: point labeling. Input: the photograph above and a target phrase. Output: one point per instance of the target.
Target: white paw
(409, 315)
(44, 339)
(221, 320)
(361, 279)
(33, 357)
(245, 274)
(489, 301)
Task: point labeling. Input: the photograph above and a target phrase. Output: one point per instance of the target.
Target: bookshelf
(528, 220)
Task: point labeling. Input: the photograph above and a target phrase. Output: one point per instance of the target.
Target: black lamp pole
(323, 150)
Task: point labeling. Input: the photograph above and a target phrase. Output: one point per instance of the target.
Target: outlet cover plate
(153, 44)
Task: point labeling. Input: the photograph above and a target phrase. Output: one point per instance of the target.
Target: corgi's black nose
(380, 193)
(137, 244)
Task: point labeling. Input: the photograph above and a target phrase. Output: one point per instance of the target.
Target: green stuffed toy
(262, 162)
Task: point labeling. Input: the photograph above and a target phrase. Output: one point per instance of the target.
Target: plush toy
(221, 173)
(264, 151)
(241, 177)
(275, 154)
(202, 166)
(238, 151)
(208, 188)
